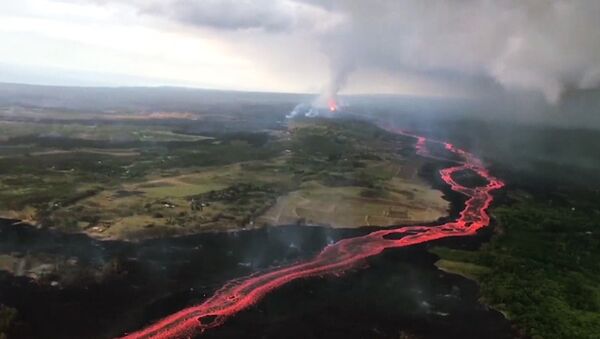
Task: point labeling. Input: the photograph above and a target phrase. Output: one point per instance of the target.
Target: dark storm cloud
(549, 46)
(268, 15)
(543, 45)
(232, 14)
(229, 14)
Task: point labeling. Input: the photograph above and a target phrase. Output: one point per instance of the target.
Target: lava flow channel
(338, 257)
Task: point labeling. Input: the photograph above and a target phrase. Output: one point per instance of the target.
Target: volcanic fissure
(338, 257)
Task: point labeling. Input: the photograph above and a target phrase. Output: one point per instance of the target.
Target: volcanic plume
(324, 105)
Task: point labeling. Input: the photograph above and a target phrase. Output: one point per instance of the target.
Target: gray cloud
(543, 45)
(230, 14)
(549, 46)
(267, 15)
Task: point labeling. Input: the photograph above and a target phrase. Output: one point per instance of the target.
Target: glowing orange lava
(339, 257)
(332, 105)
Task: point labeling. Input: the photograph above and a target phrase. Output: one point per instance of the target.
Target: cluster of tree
(233, 193)
(544, 266)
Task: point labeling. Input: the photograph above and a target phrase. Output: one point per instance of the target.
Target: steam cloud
(543, 45)
(549, 46)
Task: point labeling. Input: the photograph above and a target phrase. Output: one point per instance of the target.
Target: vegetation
(51, 171)
(350, 174)
(543, 268)
(133, 180)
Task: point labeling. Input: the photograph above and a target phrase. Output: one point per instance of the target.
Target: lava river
(336, 258)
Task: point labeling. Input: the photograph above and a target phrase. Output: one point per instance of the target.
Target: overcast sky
(432, 47)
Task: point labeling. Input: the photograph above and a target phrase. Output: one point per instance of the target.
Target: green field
(138, 179)
(542, 269)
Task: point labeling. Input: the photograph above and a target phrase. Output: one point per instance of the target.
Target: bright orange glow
(332, 105)
(342, 256)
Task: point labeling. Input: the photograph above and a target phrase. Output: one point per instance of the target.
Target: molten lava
(338, 257)
(332, 104)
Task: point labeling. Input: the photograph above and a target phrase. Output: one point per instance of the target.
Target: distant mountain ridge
(106, 99)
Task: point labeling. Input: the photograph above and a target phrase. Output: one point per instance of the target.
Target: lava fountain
(332, 104)
(341, 256)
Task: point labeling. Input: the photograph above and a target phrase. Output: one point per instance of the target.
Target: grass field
(128, 181)
(348, 207)
(162, 204)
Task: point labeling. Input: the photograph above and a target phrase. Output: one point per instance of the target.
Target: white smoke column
(337, 80)
(295, 112)
(548, 46)
(326, 103)
(336, 45)
(305, 110)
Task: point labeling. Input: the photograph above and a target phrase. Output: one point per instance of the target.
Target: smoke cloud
(547, 46)
(274, 16)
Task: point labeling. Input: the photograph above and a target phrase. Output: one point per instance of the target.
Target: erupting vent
(332, 104)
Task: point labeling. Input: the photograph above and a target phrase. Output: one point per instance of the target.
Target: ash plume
(545, 46)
